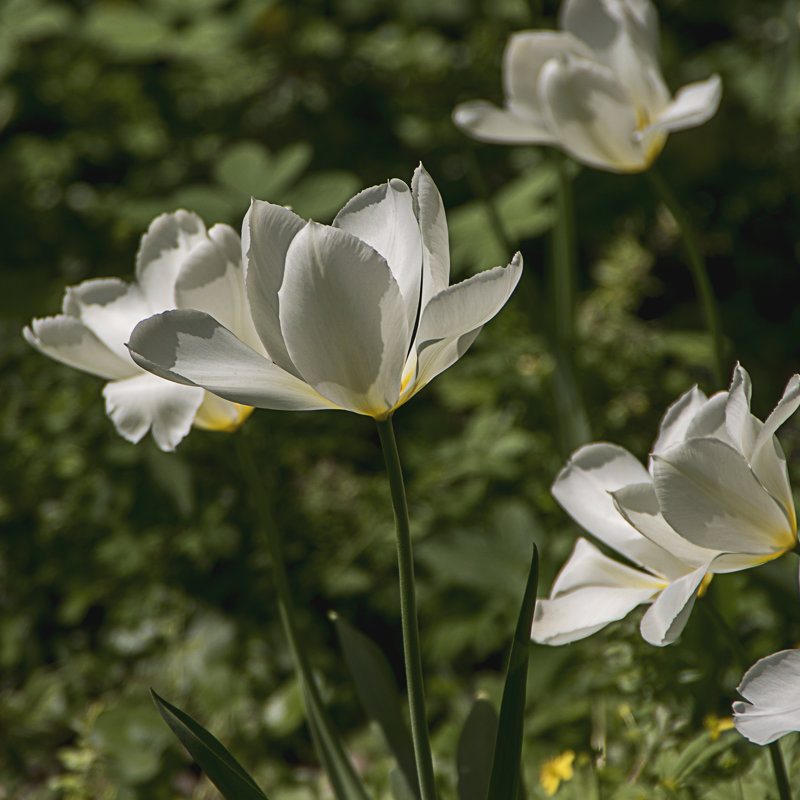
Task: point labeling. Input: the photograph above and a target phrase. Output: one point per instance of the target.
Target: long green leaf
(377, 690)
(505, 781)
(475, 751)
(222, 769)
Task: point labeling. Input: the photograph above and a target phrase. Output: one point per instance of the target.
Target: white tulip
(178, 264)
(771, 705)
(715, 498)
(593, 88)
(357, 315)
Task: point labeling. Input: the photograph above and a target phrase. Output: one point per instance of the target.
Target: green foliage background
(122, 567)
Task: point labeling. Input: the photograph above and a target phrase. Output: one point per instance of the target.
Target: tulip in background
(716, 498)
(356, 315)
(179, 264)
(771, 705)
(593, 88)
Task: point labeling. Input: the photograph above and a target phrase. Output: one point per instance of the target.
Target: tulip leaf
(398, 784)
(377, 690)
(320, 195)
(475, 751)
(222, 769)
(287, 167)
(505, 780)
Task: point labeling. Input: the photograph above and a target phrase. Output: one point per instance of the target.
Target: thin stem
(697, 266)
(573, 420)
(779, 767)
(346, 782)
(408, 613)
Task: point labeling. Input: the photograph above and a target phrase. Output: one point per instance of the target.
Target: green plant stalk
(697, 266)
(408, 613)
(573, 420)
(346, 783)
(779, 767)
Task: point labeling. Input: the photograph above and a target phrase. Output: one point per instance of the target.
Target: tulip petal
(709, 495)
(590, 115)
(709, 420)
(457, 311)
(693, 105)
(741, 425)
(525, 55)
(110, 308)
(771, 688)
(168, 241)
(146, 402)
(486, 122)
(677, 418)
(638, 504)
(584, 487)
(665, 620)
(429, 210)
(267, 232)
(68, 340)
(211, 279)
(343, 319)
(192, 348)
(383, 217)
(591, 591)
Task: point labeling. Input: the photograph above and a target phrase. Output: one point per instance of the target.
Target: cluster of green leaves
(123, 568)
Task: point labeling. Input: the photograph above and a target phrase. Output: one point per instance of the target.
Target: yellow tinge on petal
(556, 770)
(216, 414)
(704, 584)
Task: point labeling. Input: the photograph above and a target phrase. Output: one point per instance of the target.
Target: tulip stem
(573, 420)
(408, 612)
(779, 767)
(344, 779)
(697, 266)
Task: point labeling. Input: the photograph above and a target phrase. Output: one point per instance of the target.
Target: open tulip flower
(771, 705)
(594, 89)
(715, 498)
(356, 315)
(178, 264)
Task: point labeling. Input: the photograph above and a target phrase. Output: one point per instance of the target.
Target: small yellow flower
(556, 770)
(716, 725)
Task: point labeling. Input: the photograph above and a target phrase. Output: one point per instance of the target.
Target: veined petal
(709, 420)
(767, 459)
(192, 348)
(709, 495)
(771, 688)
(525, 54)
(584, 487)
(591, 115)
(457, 311)
(665, 620)
(429, 211)
(110, 308)
(486, 122)
(693, 105)
(741, 425)
(638, 504)
(343, 320)
(146, 402)
(677, 418)
(383, 217)
(591, 591)
(169, 239)
(68, 340)
(267, 232)
(211, 279)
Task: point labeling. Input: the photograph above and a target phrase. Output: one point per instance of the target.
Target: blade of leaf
(222, 769)
(505, 780)
(398, 784)
(377, 690)
(475, 751)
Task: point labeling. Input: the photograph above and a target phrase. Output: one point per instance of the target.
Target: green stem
(697, 266)
(779, 767)
(573, 420)
(408, 613)
(345, 781)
